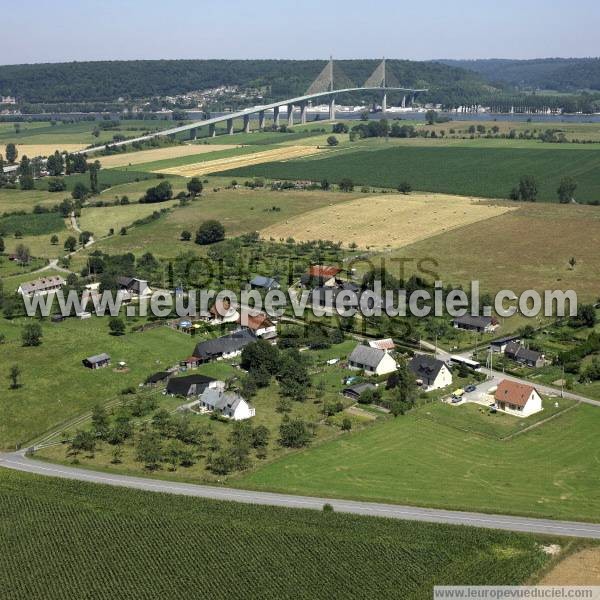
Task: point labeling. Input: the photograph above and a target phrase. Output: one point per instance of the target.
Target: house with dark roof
(191, 385)
(372, 361)
(524, 356)
(431, 373)
(476, 323)
(517, 399)
(226, 346)
(130, 287)
(264, 283)
(226, 404)
(97, 361)
(157, 378)
(500, 344)
(356, 391)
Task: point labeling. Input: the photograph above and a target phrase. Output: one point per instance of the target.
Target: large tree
(32, 334)
(194, 186)
(55, 164)
(11, 153)
(566, 189)
(210, 232)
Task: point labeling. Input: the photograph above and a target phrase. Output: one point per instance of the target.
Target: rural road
(18, 462)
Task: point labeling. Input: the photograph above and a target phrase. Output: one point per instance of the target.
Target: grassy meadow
(63, 530)
(549, 471)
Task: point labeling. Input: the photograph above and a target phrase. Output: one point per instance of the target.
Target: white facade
(443, 379)
(532, 405)
(386, 365)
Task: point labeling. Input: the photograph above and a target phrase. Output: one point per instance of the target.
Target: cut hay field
(68, 540)
(483, 172)
(241, 211)
(528, 248)
(389, 220)
(580, 568)
(32, 150)
(550, 471)
(214, 166)
(145, 156)
(17, 200)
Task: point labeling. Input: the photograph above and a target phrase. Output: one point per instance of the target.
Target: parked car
(470, 388)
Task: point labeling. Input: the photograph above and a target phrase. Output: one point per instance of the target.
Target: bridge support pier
(332, 108)
(246, 123)
(290, 115)
(193, 133)
(212, 130)
(303, 112)
(230, 126)
(276, 116)
(403, 101)
(384, 102)
(261, 120)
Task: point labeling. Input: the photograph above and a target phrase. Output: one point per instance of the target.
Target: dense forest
(106, 81)
(560, 74)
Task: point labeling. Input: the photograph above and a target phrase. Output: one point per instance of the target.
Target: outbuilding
(97, 362)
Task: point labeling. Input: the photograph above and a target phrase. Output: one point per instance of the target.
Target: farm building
(227, 404)
(227, 346)
(133, 286)
(372, 361)
(499, 345)
(156, 378)
(191, 385)
(356, 391)
(43, 285)
(476, 323)
(97, 362)
(264, 283)
(259, 324)
(524, 356)
(431, 373)
(320, 275)
(517, 398)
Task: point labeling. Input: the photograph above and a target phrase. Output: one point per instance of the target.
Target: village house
(320, 275)
(259, 324)
(227, 346)
(157, 378)
(97, 362)
(431, 373)
(354, 392)
(41, 286)
(517, 399)
(372, 361)
(131, 287)
(499, 345)
(222, 312)
(226, 404)
(264, 283)
(524, 356)
(476, 323)
(192, 385)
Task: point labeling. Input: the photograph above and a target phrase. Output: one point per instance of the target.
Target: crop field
(390, 220)
(31, 224)
(579, 568)
(18, 200)
(106, 178)
(240, 211)
(542, 240)
(144, 156)
(550, 471)
(60, 537)
(487, 172)
(69, 388)
(215, 166)
(31, 150)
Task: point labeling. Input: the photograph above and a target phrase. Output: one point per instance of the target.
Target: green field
(486, 172)
(550, 471)
(31, 224)
(56, 386)
(69, 540)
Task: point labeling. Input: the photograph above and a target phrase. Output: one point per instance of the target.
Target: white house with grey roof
(227, 404)
(372, 361)
(44, 285)
(431, 373)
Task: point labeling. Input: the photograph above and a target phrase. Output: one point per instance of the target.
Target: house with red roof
(320, 275)
(517, 399)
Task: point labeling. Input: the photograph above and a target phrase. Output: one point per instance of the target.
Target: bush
(163, 191)
(56, 184)
(210, 232)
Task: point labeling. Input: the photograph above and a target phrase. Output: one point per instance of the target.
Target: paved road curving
(18, 462)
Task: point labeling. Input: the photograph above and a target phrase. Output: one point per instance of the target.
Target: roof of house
(98, 358)
(132, 283)
(504, 340)
(323, 271)
(221, 308)
(520, 352)
(255, 321)
(513, 392)
(220, 400)
(180, 386)
(473, 321)
(224, 345)
(358, 389)
(426, 367)
(365, 355)
(264, 282)
(156, 377)
(42, 284)
(384, 344)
